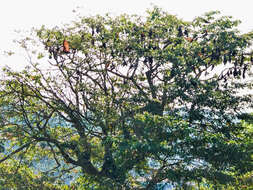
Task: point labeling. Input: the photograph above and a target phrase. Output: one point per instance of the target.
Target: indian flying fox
(66, 47)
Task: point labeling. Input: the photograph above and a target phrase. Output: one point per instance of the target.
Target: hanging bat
(66, 47)
(186, 33)
(180, 32)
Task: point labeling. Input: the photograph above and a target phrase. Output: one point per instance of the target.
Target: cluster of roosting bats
(239, 68)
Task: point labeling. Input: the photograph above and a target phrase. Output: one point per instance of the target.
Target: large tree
(130, 102)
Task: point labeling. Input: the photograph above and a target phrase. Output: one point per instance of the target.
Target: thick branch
(16, 151)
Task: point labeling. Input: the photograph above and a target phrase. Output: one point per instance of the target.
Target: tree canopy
(129, 102)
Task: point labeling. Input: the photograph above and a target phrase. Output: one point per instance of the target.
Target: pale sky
(24, 14)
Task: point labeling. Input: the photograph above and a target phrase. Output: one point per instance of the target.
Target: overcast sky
(24, 14)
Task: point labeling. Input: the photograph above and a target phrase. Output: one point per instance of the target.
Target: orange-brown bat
(66, 46)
